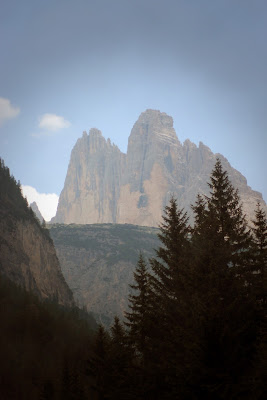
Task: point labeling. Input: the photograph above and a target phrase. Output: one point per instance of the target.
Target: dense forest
(195, 329)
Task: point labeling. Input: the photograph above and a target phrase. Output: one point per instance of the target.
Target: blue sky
(70, 65)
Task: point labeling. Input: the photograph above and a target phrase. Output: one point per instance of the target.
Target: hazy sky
(70, 65)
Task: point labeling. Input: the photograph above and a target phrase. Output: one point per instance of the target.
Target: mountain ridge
(105, 185)
(98, 262)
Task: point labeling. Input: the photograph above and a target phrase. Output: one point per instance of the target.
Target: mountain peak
(156, 117)
(154, 124)
(95, 132)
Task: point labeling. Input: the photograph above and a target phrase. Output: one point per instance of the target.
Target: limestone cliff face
(29, 259)
(92, 185)
(105, 185)
(152, 169)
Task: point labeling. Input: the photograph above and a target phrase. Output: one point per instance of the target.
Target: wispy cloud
(7, 110)
(46, 202)
(53, 122)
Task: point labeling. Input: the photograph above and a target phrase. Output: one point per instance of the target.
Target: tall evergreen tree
(259, 290)
(260, 240)
(260, 257)
(222, 249)
(228, 219)
(139, 327)
(170, 266)
(137, 319)
(221, 239)
(174, 333)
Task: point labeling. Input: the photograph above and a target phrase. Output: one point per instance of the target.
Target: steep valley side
(27, 254)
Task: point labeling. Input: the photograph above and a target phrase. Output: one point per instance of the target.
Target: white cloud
(7, 111)
(53, 122)
(46, 202)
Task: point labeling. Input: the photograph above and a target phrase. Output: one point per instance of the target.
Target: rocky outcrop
(105, 185)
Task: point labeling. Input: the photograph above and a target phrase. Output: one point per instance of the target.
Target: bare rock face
(27, 253)
(153, 152)
(92, 185)
(105, 185)
(29, 259)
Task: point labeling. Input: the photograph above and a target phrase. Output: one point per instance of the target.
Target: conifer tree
(259, 283)
(139, 323)
(137, 319)
(117, 332)
(99, 364)
(259, 290)
(199, 209)
(173, 335)
(228, 221)
(221, 239)
(170, 265)
(120, 350)
(121, 362)
(260, 239)
(222, 249)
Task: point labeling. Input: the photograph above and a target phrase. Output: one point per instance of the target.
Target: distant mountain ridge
(104, 185)
(98, 262)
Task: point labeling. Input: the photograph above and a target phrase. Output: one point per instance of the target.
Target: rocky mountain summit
(104, 185)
